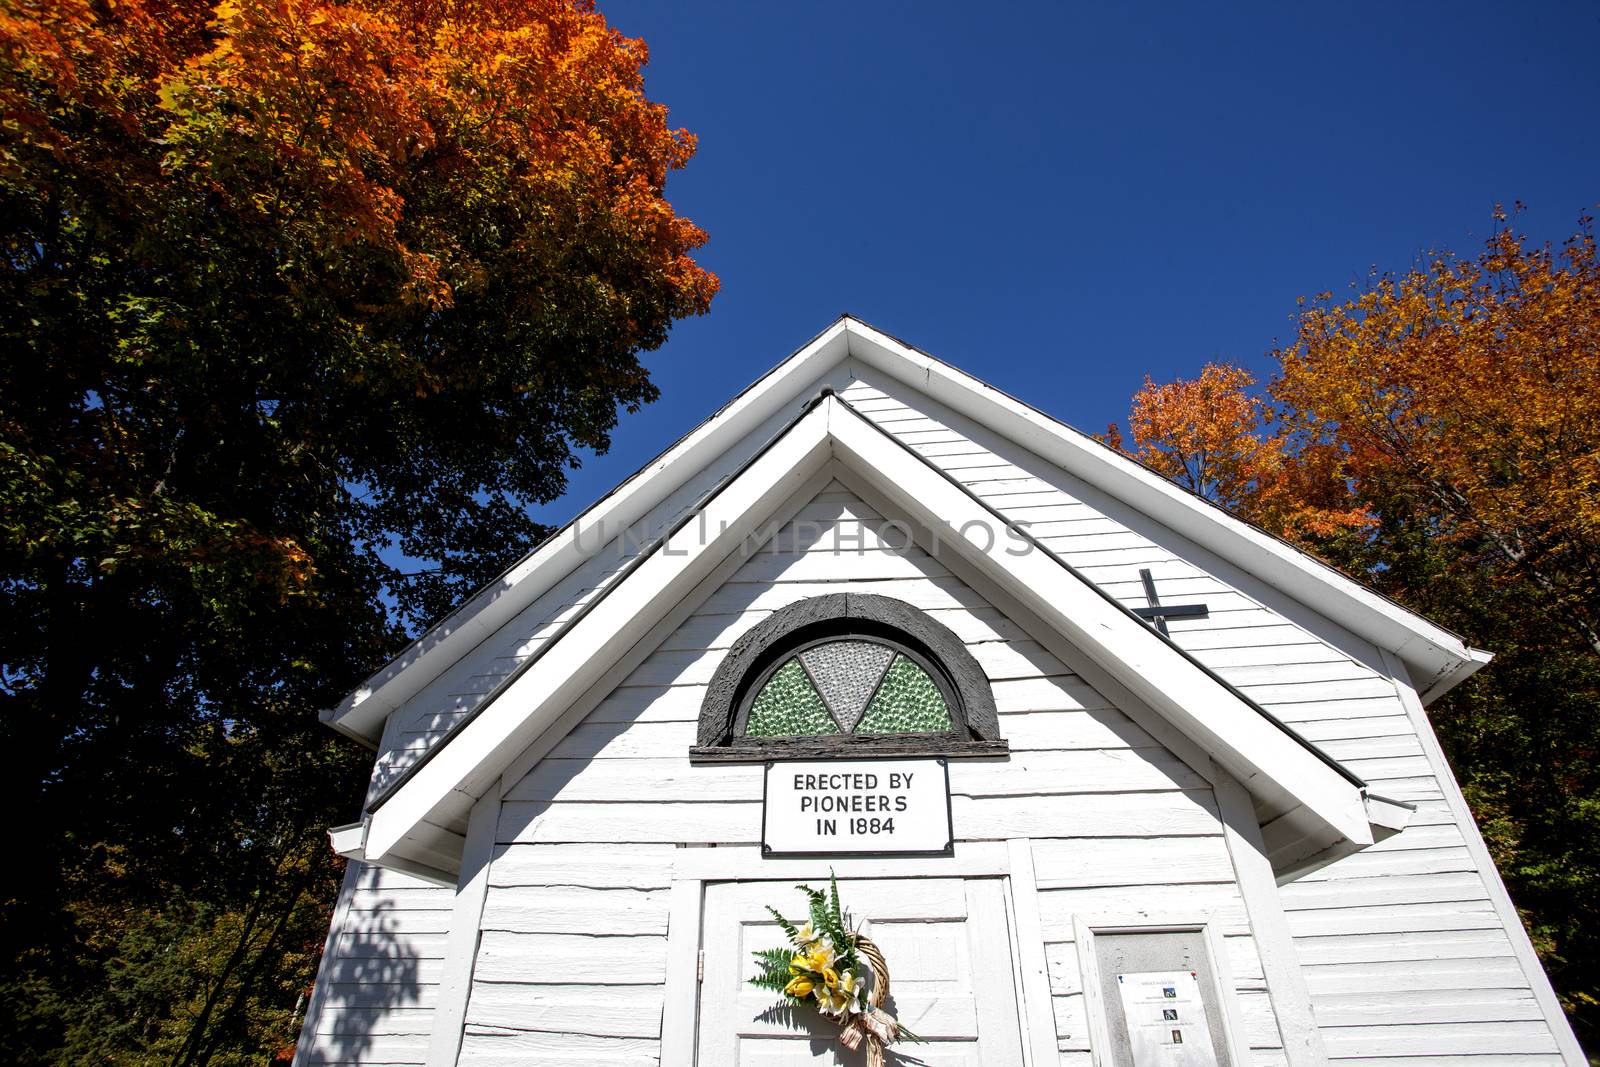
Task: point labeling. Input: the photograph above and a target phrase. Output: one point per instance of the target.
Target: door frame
(694, 867)
(1219, 982)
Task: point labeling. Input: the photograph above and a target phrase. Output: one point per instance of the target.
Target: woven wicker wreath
(830, 968)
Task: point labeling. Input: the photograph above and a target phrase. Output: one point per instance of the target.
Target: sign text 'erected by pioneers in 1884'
(841, 807)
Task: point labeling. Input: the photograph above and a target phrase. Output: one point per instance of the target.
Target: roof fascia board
(1443, 656)
(1319, 625)
(361, 714)
(472, 759)
(1108, 686)
(663, 628)
(1443, 683)
(1253, 750)
(1429, 651)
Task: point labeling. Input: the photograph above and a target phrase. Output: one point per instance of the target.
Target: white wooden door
(948, 943)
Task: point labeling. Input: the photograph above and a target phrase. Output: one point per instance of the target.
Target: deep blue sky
(1063, 197)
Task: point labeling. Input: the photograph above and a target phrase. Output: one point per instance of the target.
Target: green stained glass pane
(908, 702)
(788, 706)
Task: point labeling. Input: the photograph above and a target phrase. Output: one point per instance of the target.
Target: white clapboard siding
(565, 959)
(1429, 1005)
(1087, 862)
(378, 982)
(1405, 959)
(570, 910)
(606, 1011)
(424, 719)
(636, 866)
(1438, 1039)
(401, 1050)
(487, 1047)
(1413, 898)
(345, 1021)
(586, 836)
(1058, 906)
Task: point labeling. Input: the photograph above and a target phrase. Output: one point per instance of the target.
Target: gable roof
(362, 713)
(1435, 658)
(1318, 810)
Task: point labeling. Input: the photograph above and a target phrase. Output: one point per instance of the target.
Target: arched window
(848, 673)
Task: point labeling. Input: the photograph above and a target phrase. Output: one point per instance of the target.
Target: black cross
(1158, 612)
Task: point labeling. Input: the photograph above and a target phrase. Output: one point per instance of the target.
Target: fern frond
(768, 980)
(823, 917)
(838, 929)
(818, 904)
(776, 959)
(787, 926)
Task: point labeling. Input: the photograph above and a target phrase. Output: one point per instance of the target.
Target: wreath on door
(835, 970)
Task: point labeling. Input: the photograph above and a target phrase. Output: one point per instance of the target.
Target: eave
(1325, 808)
(362, 713)
(1435, 658)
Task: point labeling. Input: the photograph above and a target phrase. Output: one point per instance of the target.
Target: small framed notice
(1166, 1019)
(857, 807)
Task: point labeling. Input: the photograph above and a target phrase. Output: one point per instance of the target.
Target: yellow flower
(854, 986)
(831, 1003)
(820, 959)
(800, 964)
(806, 936)
(829, 978)
(798, 987)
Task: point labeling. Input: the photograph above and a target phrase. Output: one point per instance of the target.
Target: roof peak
(1436, 658)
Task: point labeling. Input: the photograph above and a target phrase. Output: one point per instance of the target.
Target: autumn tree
(1452, 415)
(1216, 437)
(290, 290)
(1473, 384)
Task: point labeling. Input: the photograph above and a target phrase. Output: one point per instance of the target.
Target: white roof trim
(470, 759)
(1330, 808)
(1438, 658)
(1435, 657)
(1261, 754)
(361, 714)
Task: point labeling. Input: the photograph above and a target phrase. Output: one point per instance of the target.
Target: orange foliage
(1457, 404)
(1213, 436)
(534, 103)
(1474, 387)
(368, 164)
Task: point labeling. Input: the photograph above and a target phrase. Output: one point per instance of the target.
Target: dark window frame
(975, 728)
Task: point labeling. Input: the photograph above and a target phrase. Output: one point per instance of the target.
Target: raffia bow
(874, 1026)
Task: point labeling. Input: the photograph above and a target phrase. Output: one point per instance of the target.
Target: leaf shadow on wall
(374, 991)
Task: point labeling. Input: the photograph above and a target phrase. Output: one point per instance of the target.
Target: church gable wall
(424, 719)
(379, 977)
(1402, 945)
(1405, 947)
(571, 960)
(357, 1014)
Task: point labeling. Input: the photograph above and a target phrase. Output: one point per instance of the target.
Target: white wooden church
(1109, 776)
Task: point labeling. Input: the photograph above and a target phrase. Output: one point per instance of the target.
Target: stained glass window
(848, 686)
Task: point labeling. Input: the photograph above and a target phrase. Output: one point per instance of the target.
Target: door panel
(948, 943)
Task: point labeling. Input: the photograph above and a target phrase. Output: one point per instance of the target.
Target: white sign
(845, 806)
(1166, 1019)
